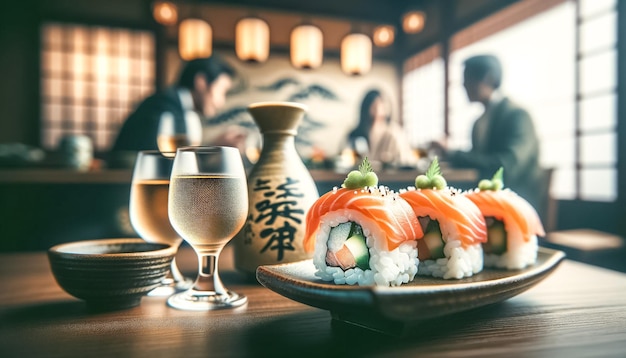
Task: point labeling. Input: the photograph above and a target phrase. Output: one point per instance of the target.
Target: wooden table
(579, 311)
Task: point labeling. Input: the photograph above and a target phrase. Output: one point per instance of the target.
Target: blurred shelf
(589, 246)
(65, 176)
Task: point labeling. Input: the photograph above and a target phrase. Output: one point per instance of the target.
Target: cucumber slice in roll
(358, 248)
(435, 244)
(496, 239)
(348, 236)
(434, 240)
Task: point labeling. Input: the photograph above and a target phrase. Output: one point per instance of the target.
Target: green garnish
(496, 183)
(432, 179)
(363, 177)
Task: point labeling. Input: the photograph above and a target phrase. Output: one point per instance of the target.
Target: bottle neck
(278, 140)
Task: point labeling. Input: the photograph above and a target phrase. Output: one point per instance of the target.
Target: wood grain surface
(579, 311)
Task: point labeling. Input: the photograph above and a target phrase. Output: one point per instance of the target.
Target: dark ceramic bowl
(110, 273)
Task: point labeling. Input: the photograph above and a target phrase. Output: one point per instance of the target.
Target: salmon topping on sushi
(512, 225)
(461, 217)
(512, 210)
(377, 209)
(506, 207)
(385, 214)
(436, 205)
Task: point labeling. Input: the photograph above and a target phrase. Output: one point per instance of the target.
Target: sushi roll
(362, 234)
(512, 225)
(453, 227)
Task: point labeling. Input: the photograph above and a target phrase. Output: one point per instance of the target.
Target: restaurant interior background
(78, 67)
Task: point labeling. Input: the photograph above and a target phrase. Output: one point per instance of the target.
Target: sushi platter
(385, 260)
(393, 309)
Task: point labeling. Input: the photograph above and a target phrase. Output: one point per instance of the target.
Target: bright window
(544, 85)
(575, 120)
(597, 162)
(91, 78)
(423, 106)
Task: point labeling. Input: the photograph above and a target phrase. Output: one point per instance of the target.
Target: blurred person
(377, 136)
(504, 135)
(199, 93)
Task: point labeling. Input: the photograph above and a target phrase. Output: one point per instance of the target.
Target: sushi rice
(519, 255)
(457, 264)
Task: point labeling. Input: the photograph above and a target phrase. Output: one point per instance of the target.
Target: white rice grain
(387, 268)
(457, 264)
(519, 254)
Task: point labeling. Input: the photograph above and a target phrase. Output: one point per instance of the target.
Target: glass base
(193, 300)
(169, 286)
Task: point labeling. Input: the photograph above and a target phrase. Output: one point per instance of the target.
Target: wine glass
(174, 132)
(148, 212)
(208, 205)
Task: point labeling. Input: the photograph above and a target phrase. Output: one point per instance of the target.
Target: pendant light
(165, 13)
(356, 54)
(252, 39)
(306, 46)
(195, 39)
(413, 22)
(383, 35)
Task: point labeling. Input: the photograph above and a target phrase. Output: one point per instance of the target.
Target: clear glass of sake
(148, 212)
(174, 132)
(208, 205)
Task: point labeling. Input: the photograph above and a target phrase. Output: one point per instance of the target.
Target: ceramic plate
(381, 308)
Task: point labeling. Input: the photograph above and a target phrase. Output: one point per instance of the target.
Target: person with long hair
(377, 136)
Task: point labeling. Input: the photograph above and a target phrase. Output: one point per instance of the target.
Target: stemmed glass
(148, 212)
(174, 133)
(208, 205)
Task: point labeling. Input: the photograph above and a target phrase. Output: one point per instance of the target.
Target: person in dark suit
(504, 135)
(200, 92)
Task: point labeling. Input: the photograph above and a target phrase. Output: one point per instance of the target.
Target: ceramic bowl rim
(64, 249)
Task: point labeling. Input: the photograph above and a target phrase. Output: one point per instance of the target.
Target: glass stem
(208, 277)
(175, 272)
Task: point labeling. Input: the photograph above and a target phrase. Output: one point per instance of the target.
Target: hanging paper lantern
(195, 39)
(307, 47)
(356, 54)
(252, 40)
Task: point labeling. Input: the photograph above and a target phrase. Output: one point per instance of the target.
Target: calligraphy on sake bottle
(280, 192)
(279, 213)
